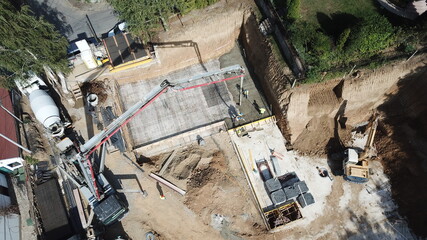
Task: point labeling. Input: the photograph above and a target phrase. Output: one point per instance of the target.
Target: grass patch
(331, 36)
(310, 9)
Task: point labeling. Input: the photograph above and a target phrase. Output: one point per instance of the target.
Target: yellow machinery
(356, 168)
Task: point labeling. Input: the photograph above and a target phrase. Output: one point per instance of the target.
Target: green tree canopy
(27, 43)
(144, 16)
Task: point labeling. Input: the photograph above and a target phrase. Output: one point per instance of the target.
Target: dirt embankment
(402, 147)
(267, 68)
(203, 35)
(312, 109)
(397, 92)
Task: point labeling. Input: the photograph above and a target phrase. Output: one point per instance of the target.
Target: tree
(373, 34)
(143, 17)
(27, 43)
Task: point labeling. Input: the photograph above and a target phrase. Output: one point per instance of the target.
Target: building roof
(9, 223)
(7, 128)
(9, 229)
(122, 48)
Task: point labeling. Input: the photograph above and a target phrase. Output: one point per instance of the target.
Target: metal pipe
(167, 183)
(14, 143)
(103, 154)
(241, 90)
(11, 114)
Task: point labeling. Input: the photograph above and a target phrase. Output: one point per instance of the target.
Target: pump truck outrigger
(77, 163)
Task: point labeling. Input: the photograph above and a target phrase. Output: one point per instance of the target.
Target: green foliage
(373, 34)
(342, 39)
(27, 43)
(311, 43)
(321, 44)
(292, 10)
(367, 38)
(143, 17)
(31, 160)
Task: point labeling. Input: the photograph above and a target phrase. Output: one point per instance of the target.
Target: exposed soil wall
(213, 32)
(313, 107)
(267, 69)
(402, 146)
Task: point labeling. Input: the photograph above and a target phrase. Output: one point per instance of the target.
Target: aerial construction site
(204, 134)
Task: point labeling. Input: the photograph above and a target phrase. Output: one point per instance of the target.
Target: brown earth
(312, 108)
(212, 30)
(218, 203)
(397, 93)
(402, 144)
(215, 188)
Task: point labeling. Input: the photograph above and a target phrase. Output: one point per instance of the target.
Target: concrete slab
(254, 99)
(179, 140)
(176, 112)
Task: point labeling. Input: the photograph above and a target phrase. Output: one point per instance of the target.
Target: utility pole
(89, 23)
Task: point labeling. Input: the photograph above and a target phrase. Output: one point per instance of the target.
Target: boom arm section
(101, 137)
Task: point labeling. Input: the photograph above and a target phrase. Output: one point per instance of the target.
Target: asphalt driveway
(69, 16)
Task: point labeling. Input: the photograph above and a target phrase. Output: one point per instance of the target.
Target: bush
(31, 160)
(321, 43)
(342, 39)
(373, 34)
(292, 10)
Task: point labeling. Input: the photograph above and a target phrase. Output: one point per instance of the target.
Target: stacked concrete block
(272, 185)
(278, 197)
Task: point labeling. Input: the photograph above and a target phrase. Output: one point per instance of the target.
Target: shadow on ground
(402, 147)
(52, 15)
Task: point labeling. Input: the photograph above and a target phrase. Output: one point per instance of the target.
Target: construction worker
(261, 111)
(159, 188)
(246, 93)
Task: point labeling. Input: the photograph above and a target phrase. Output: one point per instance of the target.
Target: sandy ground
(350, 209)
(313, 107)
(217, 205)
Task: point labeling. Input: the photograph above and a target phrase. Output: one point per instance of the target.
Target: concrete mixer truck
(42, 104)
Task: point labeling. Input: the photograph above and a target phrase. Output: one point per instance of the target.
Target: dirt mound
(186, 166)
(313, 143)
(214, 193)
(207, 171)
(96, 87)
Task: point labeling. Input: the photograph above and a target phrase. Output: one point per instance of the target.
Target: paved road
(69, 16)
